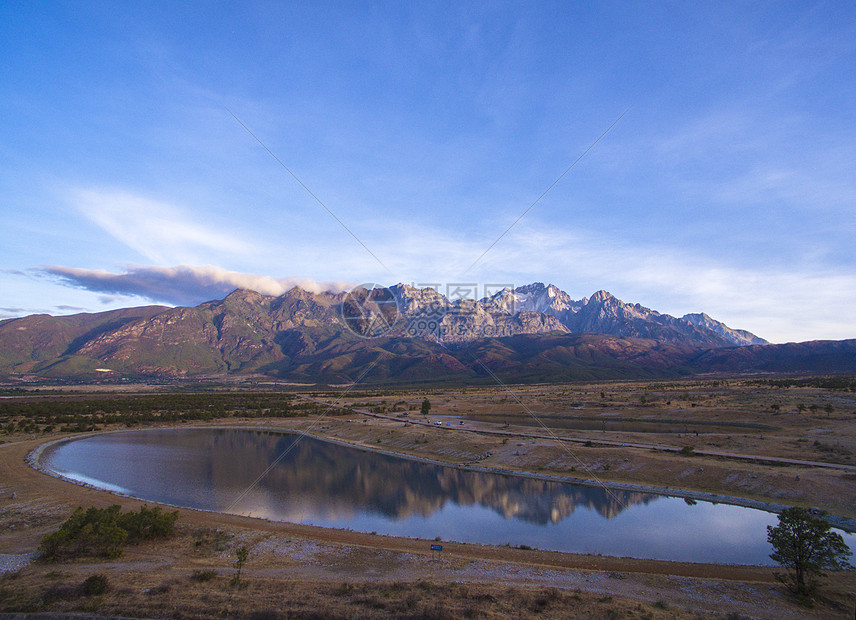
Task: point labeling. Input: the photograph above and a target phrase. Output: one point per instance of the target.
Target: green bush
(103, 531)
(86, 532)
(148, 523)
(94, 585)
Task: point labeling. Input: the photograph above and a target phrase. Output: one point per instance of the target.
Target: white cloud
(161, 232)
(184, 284)
(799, 301)
(795, 302)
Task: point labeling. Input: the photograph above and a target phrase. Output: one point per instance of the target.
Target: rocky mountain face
(399, 334)
(536, 308)
(737, 336)
(537, 298)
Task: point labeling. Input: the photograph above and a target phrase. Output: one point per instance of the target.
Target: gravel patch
(13, 562)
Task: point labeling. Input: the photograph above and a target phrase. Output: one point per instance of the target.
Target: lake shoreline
(34, 460)
(843, 523)
(323, 559)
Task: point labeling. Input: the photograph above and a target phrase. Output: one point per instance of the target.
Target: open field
(571, 431)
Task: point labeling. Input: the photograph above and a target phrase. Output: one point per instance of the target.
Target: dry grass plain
(563, 430)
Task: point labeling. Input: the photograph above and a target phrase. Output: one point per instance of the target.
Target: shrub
(94, 585)
(204, 575)
(86, 532)
(148, 523)
(103, 531)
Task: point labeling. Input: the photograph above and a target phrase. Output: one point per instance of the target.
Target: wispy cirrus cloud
(184, 285)
(161, 232)
(747, 154)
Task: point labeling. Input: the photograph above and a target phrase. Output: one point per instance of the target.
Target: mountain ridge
(532, 333)
(600, 313)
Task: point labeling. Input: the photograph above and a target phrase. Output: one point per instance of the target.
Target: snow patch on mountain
(739, 337)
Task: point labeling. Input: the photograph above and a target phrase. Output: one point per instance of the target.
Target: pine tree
(804, 545)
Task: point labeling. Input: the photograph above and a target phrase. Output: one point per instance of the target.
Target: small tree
(803, 544)
(242, 555)
(426, 406)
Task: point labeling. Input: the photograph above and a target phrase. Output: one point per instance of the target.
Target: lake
(287, 477)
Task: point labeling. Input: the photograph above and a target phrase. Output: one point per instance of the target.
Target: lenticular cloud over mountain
(183, 284)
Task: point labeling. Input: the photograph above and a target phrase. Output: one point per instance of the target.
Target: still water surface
(331, 485)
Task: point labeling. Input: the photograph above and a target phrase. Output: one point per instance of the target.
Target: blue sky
(728, 187)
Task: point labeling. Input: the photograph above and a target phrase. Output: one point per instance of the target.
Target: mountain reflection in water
(322, 483)
(315, 474)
